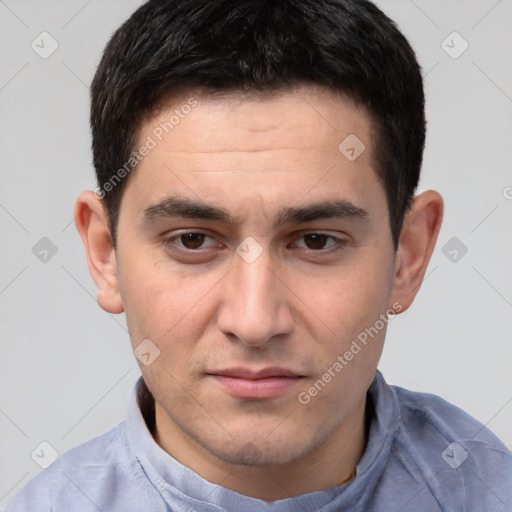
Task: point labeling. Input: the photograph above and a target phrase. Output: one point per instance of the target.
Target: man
(255, 218)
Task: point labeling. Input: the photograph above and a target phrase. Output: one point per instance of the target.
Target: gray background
(66, 366)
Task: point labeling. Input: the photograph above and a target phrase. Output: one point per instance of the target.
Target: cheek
(160, 302)
(350, 299)
(348, 352)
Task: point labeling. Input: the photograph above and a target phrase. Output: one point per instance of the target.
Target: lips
(255, 384)
(246, 373)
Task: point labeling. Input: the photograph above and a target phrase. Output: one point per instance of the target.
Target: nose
(255, 307)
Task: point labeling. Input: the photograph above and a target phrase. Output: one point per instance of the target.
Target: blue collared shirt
(423, 455)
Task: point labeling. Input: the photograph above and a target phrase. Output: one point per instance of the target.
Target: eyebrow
(322, 210)
(187, 208)
(174, 206)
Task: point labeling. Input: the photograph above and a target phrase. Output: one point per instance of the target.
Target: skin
(298, 306)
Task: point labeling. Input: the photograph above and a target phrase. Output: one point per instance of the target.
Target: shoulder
(431, 418)
(80, 477)
(459, 459)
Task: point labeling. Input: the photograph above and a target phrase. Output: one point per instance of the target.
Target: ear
(421, 226)
(92, 223)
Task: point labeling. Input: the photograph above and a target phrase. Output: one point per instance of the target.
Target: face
(252, 252)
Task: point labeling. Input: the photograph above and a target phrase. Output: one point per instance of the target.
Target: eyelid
(170, 239)
(325, 232)
(339, 240)
(173, 236)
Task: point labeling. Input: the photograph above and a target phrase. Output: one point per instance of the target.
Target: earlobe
(92, 223)
(420, 229)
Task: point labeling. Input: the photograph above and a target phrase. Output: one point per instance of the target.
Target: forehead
(318, 115)
(257, 148)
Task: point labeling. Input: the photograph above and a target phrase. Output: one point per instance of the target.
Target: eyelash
(338, 242)
(174, 238)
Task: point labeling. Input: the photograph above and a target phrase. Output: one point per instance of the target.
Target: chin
(257, 451)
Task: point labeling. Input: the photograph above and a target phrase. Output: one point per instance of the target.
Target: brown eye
(315, 241)
(192, 240)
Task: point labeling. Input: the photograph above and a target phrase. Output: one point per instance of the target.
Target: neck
(330, 464)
